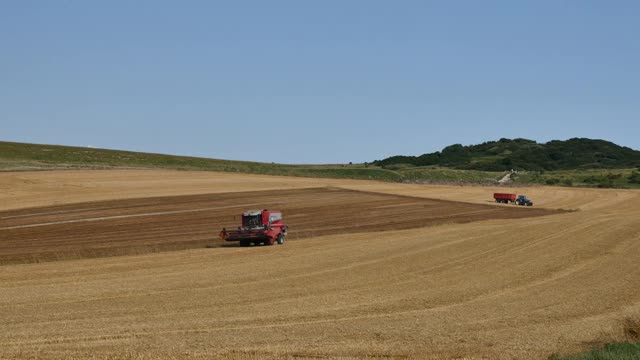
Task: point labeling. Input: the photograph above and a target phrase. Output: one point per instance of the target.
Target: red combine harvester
(258, 226)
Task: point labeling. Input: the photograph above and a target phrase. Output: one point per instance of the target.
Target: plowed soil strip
(134, 226)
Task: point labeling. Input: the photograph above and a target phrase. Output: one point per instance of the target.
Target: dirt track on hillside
(137, 226)
(497, 289)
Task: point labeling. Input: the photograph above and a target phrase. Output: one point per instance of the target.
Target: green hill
(22, 156)
(523, 154)
(455, 165)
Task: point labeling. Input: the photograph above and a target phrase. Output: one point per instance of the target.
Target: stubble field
(136, 226)
(478, 280)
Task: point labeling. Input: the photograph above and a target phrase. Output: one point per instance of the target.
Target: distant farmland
(24, 157)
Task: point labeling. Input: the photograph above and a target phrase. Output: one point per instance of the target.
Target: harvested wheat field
(460, 278)
(134, 226)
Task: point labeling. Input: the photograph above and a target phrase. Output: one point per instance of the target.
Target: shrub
(552, 181)
(634, 178)
(591, 180)
(605, 183)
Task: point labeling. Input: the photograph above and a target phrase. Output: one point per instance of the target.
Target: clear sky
(317, 81)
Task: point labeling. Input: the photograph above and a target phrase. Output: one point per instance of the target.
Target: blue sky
(317, 81)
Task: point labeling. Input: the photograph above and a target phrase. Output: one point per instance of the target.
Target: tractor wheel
(280, 239)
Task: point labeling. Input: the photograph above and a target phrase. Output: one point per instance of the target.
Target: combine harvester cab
(258, 226)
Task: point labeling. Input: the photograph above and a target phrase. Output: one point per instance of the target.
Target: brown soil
(135, 226)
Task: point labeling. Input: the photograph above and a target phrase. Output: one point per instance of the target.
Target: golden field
(521, 287)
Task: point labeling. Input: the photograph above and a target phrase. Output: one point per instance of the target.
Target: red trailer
(258, 226)
(504, 198)
(512, 198)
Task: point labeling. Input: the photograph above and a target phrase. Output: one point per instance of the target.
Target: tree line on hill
(523, 154)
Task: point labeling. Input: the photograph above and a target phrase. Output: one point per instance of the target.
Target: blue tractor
(523, 201)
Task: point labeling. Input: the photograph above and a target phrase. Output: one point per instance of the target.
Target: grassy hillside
(445, 175)
(523, 154)
(609, 178)
(20, 156)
